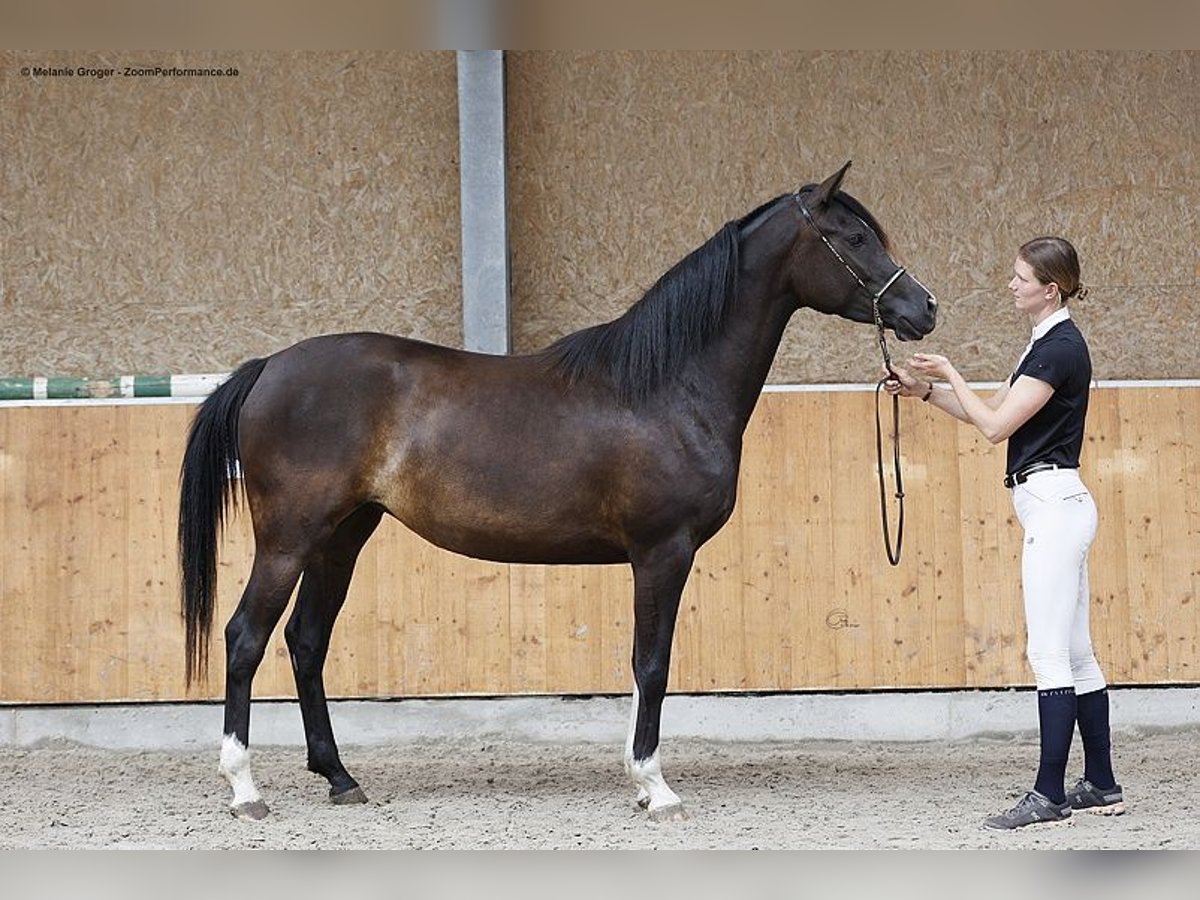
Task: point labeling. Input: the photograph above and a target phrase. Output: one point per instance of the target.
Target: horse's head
(841, 264)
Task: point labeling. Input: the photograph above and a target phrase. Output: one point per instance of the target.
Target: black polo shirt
(1054, 434)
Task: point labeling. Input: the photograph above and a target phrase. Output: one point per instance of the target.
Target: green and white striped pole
(119, 386)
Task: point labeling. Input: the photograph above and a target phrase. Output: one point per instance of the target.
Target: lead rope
(893, 558)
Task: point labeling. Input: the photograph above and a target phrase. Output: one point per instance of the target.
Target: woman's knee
(1051, 668)
(1087, 674)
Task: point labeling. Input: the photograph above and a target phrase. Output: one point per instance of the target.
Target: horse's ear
(827, 188)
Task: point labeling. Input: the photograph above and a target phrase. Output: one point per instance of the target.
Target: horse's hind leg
(322, 593)
(658, 578)
(272, 579)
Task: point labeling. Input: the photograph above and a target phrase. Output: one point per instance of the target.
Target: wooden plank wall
(794, 593)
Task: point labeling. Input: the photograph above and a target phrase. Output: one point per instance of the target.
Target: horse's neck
(726, 380)
(738, 361)
(747, 347)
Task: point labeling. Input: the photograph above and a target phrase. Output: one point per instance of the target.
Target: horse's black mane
(675, 319)
(656, 336)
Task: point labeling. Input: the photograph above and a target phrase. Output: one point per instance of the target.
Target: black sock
(1097, 739)
(1056, 719)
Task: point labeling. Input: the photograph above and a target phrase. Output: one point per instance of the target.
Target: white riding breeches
(1058, 515)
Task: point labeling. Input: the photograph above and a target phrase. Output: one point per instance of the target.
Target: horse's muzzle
(907, 328)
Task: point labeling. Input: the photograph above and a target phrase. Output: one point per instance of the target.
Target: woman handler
(1040, 412)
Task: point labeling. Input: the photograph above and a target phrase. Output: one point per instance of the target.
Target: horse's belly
(520, 546)
(512, 535)
(515, 498)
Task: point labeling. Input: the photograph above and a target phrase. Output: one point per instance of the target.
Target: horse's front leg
(658, 577)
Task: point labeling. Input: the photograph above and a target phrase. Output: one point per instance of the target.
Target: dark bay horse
(617, 444)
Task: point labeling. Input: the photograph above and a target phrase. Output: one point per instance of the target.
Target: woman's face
(1030, 294)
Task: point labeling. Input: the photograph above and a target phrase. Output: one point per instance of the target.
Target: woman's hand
(932, 365)
(904, 384)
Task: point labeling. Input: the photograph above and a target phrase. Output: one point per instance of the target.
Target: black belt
(1023, 476)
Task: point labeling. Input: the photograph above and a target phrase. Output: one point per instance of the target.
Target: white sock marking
(235, 767)
(647, 774)
(632, 728)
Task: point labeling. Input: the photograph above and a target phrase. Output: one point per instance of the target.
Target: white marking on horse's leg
(653, 794)
(643, 795)
(235, 767)
(647, 774)
(632, 727)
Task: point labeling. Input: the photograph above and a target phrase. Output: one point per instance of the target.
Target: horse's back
(354, 369)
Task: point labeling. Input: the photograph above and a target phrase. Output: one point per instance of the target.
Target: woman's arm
(945, 400)
(998, 416)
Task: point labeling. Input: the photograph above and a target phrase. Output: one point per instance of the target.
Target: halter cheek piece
(875, 297)
(893, 558)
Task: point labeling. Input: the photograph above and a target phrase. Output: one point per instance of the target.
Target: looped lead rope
(893, 557)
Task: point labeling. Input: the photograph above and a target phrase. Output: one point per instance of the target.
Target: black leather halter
(893, 557)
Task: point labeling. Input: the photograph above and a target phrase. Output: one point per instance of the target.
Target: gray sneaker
(1106, 802)
(1032, 808)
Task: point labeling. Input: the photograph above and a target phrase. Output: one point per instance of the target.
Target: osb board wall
(794, 593)
(185, 224)
(621, 163)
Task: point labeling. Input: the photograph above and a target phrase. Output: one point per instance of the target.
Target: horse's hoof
(672, 813)
(254, 811)
(345, 798)
(643, 799)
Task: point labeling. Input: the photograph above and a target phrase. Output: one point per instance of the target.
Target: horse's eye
(856, 239)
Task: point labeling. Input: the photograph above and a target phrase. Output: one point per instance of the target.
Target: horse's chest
(721, 502)
(711, 488)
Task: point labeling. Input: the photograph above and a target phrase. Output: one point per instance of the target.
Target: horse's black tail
(207, 492)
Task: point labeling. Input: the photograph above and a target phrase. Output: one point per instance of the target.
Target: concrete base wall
(790, 717)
